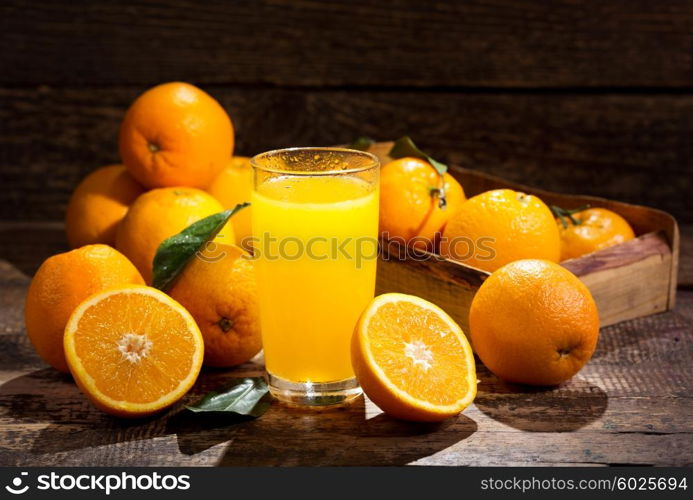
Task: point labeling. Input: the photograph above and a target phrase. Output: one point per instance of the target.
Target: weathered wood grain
(635, 148)
(606, 417)
(686, 262)
(25, 245)
(629, 289)
(632, 404)
(287, 42)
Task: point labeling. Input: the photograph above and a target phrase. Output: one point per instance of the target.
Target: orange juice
(317, 250)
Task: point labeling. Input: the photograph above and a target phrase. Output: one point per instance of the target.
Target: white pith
(419, 353)
(134, 347)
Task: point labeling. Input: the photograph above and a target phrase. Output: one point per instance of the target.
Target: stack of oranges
(131, 348)
(176, 142)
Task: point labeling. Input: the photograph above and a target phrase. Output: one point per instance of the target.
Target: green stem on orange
(405, 147)
(563, 213)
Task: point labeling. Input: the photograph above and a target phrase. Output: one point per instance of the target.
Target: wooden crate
(636, 278)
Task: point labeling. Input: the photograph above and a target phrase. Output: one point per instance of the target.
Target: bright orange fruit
(500, 226)
(594, 229)
(412, 359)
(175, 134)
(159, 214)
(533, 322)
(98, 204)
(218, 288)
(60, 284)
(409, 201)
(232, 186)
(133, 350)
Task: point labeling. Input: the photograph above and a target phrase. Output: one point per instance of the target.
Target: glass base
(314, 394)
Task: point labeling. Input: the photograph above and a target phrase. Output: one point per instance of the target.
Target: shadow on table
(47, 396)
(283, 436)
(292, 437)
(568, 407)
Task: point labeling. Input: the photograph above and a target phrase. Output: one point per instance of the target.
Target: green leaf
(404, 147)
(362, 143)
(175, 252)
(241, 396)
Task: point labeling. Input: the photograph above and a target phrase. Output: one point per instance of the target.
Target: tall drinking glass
(315, 228)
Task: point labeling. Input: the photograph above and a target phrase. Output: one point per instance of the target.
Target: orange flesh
(159, 369)
(418, 352)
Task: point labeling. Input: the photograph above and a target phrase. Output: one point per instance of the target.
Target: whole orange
(500, 226)
(593, 229)
(409, 200)
(533, 322)
(98, 204)
(232, 186)
(159, 214)
(175, 134)
(60, 284)
(218, 288)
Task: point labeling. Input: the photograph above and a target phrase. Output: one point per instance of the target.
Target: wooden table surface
(632, 404)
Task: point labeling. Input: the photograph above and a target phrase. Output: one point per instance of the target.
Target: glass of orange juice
(315, 228)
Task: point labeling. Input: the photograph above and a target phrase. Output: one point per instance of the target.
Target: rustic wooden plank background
(313, 43)
(587, 96)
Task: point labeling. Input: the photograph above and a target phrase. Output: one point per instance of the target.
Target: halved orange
(412, 359)
(133, 350)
